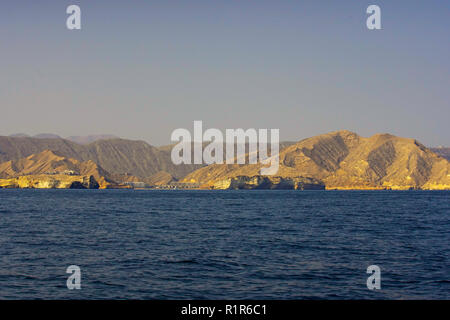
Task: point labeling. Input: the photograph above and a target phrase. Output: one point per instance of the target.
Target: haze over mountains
(77, 139)
(443, 152)
(339, 160)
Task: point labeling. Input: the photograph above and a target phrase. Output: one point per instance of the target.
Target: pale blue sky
(140, 69)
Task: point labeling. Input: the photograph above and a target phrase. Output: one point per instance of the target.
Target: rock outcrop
(269, 182)
(50, 182)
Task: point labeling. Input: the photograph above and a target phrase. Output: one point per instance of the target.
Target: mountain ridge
(47, 163)
(121, 156)
(344, 160)
(340, 159)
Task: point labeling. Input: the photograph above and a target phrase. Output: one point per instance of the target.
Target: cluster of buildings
(65, 172)
(172, 185)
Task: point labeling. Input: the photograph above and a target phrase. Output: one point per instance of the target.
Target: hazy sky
(140, 69)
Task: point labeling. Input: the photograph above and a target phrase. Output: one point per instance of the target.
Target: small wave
(184, 261)
(109, 284)
(22, 276)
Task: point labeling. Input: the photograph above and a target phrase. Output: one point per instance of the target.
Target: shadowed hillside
(118, 156)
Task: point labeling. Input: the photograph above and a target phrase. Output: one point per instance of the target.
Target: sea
(246, 244)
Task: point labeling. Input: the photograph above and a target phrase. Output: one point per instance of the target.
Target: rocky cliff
(269, 182)
(43, 181)
(48, 170)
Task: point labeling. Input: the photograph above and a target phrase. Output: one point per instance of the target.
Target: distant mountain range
(90, 138)
(336, 160)
(443, 152)
(77, 139)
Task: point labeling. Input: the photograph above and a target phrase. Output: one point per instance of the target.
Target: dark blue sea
(132, 244)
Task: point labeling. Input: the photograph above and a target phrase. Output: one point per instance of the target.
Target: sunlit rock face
(47, 170)
(51, 182)
(343, 160)
(268, 182)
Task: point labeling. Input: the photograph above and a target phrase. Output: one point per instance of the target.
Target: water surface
(134, 244)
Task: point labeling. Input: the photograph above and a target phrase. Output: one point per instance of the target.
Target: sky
(141, 69)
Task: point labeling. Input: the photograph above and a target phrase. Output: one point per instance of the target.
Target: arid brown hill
(344, 160)
(117, 156)
(48, 163)
(160, 178)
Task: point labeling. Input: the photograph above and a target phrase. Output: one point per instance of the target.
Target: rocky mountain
(344, 160)
(160, 178)
(47, 163)
(118, 156)
(126, 160)
(337, 160)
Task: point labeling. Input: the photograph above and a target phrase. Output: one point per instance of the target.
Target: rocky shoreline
(50, 182)
(268, 183)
